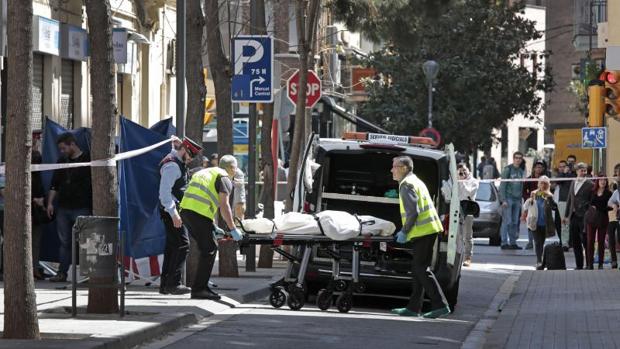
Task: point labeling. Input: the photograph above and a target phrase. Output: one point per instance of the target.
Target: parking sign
(594, 137)
(252, 79)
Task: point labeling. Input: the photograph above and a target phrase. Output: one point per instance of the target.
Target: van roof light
(379, 138)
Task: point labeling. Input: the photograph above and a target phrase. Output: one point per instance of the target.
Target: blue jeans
(510, 221)
(65, 218)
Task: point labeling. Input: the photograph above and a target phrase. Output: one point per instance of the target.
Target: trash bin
(98, 244)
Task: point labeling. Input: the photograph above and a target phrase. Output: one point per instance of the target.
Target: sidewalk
(149, 314)
(560, 309)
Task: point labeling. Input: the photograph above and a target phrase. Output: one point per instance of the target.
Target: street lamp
(430, 68)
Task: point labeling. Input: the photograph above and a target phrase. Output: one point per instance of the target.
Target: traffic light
(612, 92)
(596, 108)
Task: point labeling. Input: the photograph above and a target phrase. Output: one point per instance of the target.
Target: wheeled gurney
(290, 289)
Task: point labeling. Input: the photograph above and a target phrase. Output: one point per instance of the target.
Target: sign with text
(46, 35)
(313, 90)
(252, 80)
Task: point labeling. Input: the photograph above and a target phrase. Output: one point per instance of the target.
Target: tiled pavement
(560, 309)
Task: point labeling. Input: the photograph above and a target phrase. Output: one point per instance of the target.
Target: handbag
(591, 217)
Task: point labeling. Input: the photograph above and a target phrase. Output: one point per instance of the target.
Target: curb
(477, 338)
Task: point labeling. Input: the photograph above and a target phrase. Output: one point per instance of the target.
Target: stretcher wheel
(277, 298)
(324, 299)
(344, 302)
(296, 299)
(340, 285)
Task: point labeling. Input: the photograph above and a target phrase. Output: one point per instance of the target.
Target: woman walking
(597, 220)
(538, 214)
(468, 188)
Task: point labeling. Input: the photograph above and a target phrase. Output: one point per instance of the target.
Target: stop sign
(313, 91)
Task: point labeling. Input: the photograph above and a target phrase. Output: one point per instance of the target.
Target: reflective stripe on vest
(201, 195)
(428, 221)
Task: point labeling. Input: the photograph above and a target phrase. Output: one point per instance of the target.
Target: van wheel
(452, 294)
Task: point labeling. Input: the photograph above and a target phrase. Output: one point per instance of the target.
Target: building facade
(143, 39)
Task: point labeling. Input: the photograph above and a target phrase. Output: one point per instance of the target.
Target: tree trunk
(196, 88)
(300, 112)
(102, 77)
(265, 258)
(20, 306)
(219, 67)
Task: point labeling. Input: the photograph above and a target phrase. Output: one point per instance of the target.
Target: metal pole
(180, 67)
(591, 3)
(430, 104)
(250, 257)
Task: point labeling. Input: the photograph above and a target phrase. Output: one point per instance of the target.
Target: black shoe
(529, 246)
(515, 247)
(505, 247)
(163, 290)
(206, 294)
(179, 290)
(60, 277)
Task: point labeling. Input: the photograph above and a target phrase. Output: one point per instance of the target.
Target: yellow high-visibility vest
(201, 195)
(428, 221)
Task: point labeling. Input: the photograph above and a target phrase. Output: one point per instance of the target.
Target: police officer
(421, 225)
(173, 171)
(208, 190)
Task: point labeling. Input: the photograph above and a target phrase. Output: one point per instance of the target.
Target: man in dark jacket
(70, 196)
(579, 196)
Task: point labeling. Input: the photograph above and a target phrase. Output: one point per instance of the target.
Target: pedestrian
(511, 196)
(238, 202)
(579, 197)
(480, 167)
(613, 231)
(597, 220)
(468, 188)
(528, 188)
(420, 228)
(538, 212)
(70, 196)
(173, 180)
(490, 170)
(208, 190)
(213, 160)
(571, 161)
(561, 197)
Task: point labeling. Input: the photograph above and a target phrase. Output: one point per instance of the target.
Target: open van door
(299, 195)
(454, 231)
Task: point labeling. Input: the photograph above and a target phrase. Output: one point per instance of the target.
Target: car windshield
(485, 192)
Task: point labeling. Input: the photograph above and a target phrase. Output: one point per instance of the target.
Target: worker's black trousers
(423, 278)
(201, 229)
(175, 252)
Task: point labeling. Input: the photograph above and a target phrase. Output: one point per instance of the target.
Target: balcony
(587, 16)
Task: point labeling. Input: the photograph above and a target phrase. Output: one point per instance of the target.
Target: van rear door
(454, 230)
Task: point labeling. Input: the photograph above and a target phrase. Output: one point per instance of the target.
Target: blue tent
(138, 183)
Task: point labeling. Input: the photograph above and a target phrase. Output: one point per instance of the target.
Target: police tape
(111, 162)
(515, 180)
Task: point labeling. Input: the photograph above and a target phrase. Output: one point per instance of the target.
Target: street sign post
(313, 92)
(252, 80)
(594, 137)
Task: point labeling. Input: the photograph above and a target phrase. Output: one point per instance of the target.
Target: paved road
(370, 325)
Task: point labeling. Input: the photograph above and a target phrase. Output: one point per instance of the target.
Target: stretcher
(291, 288)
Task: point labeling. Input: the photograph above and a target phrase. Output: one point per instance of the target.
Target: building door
(37, 92)
(66, 95)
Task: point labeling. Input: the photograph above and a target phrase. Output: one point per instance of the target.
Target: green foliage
(480, 83)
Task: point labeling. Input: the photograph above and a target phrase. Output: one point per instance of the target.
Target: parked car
(489, 222)
(353, 175)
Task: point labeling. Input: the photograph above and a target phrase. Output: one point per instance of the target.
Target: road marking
(477, 337)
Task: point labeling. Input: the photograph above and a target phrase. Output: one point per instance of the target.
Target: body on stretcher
(291, 288)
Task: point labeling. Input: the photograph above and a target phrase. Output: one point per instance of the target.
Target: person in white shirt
(468, 188)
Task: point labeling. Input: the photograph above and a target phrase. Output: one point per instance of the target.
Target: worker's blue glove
(218, 233)
(236, 234)
(401, 237)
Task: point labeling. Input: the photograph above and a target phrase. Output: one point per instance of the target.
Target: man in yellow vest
(208, 190)
(421, 225)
